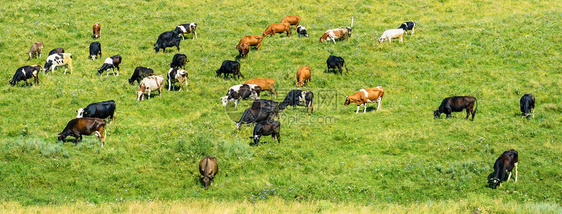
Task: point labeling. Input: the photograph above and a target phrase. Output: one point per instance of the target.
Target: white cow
(149, 84)
(391, 34)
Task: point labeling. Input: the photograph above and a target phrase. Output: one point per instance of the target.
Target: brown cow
(208, 168)
(292, 20)
(303, 74)
(83, 126)
(265, 84)
(35, 50)
(278, 28)
(96, 29)
(364, 96)
(247, 41)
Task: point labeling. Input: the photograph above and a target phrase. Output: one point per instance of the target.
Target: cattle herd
(91, 119)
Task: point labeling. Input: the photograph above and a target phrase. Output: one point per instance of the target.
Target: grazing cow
(95, 50)
(179, 61)
(265, 84)
(149, 84)
(391, 34)
(58, 60)
(292, 20)
(272, 29)
(255, 115)
(242, 91)
(140, 73)
(96, 28)
(505, 163)
(98, 110)
(56, 51)
(247, 41)
(267, 104)
(527, 103)
(177, 75)
(338, 33)
(303, 75)
(266, 128)
(300, 98)
(35, 50)
(167, 39)
(24, 73)
(302, 31)
(406, 26)
(456, 104)
(83, 126)
(187, 28)
(208, 168)
(111, 63)
(336, 62)
(229, 67)
(364, 96)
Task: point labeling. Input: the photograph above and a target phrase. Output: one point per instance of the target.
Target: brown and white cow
(149, 84)
(338, 33)
(292, 20)
(35, 50)
(83, 126)
(265, 84)
(247, 41)
(303, 75)
(364, 96)
(272, 29)
(96, 28)
(208, 168)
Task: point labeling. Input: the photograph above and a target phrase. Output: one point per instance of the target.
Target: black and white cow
(179, 61)
(58, 60)
(527, 103)
(111, 63)
(230, 67)
(302, 31)
(167, 39)
(98, 110)
(266, 128)
(505, 163)
(177, 75)
(56, 51)
(24, 73)
(140, 73)
(95, 50)
(298, 98)
(242, 91)
(406, 26)
(336, 62)
(187, 28)
(255, 115)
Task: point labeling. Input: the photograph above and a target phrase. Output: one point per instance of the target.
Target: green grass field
(398, 159)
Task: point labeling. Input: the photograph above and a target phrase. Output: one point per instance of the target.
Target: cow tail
(475, 108)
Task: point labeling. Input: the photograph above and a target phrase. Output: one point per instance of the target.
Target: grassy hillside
(493, 50)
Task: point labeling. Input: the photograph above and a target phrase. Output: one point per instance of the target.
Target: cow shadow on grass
(261, 143)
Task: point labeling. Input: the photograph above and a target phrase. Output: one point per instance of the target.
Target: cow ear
(251, 137)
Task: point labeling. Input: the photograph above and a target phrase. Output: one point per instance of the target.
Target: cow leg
(186, 85)
(364, 107)
(515, 171)
(236, 103)
(358, 106)
(412, 32)
(26, 83)
(169, 84)
(508, 176)
(194, 35)
(148, 92)
(401, 40)
(468, 114)
(278, 138)
(379, 100)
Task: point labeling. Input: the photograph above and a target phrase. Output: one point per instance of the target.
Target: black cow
(230, 67)
(300, 98)
(56, 51)
(456, 104)
(179, 61)
(242, 91)
(302, 31)
(527, 104)
(505, 163)
(98, 110)
(95, 49)
(111, 63)
(26, 72)
(140, 73)
(269, 104)
(187, 28)
(83, 126)
(406, 26)
(167, 39)
(266, 128)
(336, 62)
(255, 115)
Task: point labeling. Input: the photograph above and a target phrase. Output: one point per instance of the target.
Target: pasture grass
(398, 159)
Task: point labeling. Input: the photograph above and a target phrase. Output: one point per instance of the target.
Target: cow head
(48, 65)
(256, 139)
(347, 100)
(300, 84)
(437, 114)
(61, 137)
(80, 113)
(254, 95)
(381, 40)
(12, 82)
(238, 125)
(494, 182)
(207, 180)
(224, 100)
